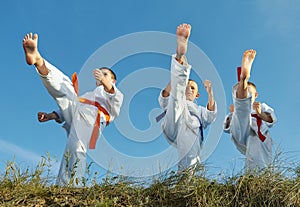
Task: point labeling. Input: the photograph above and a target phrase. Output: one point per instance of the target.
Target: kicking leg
(248, 58)
(58, 85)
(55, 80)
(240, 123)
(183, 33)
(176, 88)
(33, 57)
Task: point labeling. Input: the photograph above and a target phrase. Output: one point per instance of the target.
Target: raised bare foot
(183, 33)
(31, 51)
(247, 61)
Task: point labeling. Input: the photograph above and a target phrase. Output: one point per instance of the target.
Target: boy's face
(108, 75)
(191, 91)
(253, 92)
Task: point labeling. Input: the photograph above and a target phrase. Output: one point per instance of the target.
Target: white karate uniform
(79, 119)
(244, 132)
(180, 127)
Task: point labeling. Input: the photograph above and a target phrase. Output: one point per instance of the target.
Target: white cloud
(19, 152)
(10, 150)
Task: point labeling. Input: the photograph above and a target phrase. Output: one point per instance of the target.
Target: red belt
(258, 119)
(259, 122)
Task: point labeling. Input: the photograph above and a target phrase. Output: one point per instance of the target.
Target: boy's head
(109, 74)
(252, 90)
(191, 91)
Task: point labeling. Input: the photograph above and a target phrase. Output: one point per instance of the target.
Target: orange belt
(95, 132)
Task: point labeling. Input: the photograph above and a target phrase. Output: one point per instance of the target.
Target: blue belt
(159, 117)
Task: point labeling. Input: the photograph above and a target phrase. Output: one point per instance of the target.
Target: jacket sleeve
(114, 101)
(208, 116)
(60, 116)
(163, 101)
(269, 110)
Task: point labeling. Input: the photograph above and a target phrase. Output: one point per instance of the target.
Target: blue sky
(71, 31)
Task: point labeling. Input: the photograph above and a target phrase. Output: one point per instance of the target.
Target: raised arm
(211, 101)
(166, 92)
(263, 115)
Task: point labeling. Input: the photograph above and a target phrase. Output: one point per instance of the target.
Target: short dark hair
(114, 76)
(192, 80)
(252, 84)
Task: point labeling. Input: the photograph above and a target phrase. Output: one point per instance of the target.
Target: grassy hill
(191, 188)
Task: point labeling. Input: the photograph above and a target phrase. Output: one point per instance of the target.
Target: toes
(30, 36)
(182, 26)
(35, 36)
(187, 25)
(250, 52)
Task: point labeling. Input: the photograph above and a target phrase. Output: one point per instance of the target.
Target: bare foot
(183, 33)
(31, 51)
(247, 61)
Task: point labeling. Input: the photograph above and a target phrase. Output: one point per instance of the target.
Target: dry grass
(192, 188)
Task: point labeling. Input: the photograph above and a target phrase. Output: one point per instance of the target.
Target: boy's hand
(231, 108)
(263, 115)
(43, 117)
(257, 107)
(208, 86)
(211, 102)
(98, 75)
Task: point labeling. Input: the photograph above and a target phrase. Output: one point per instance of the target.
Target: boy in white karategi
(184, 120)
(249, 121)
(84, 117)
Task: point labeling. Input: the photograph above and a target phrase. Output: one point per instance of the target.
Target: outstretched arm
(44, 117)
(211, 101)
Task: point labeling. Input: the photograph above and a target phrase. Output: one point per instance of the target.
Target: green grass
(191, 188)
